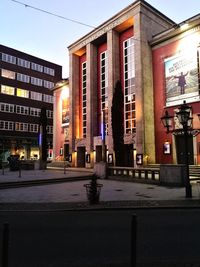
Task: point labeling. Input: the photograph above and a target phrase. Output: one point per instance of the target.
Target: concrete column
(74, 100)
(145, 141)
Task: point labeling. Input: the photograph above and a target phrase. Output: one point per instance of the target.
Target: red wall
(159, 55)
(82, 59)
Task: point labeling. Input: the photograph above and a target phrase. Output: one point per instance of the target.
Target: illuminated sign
(181, 78)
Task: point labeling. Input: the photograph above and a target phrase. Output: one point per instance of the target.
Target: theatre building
(176, 67)
(119, 49)
(147, 52)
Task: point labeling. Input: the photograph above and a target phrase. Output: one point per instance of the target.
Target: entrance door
(98, 153)
(81, 157)
(128, 155)
(66, 152)
(180, 149)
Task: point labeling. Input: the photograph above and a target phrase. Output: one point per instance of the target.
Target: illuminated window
(6, 125)
(21, 127)
(23, 63)
(129, 86)
(8, 90)
(23, 78)
(8, 58)
(104, 88)
(8, 74)
(5, 107)
(22, 93)
(84, 99)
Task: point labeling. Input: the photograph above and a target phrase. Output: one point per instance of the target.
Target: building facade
(176, 73)
(25, 82)
(139, 47)
(116, 50)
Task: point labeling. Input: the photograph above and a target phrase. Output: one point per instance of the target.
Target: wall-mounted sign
(139, 159)
(181, 78)
(65, 111)
(87, 158)
(110, 158)
(167, 148)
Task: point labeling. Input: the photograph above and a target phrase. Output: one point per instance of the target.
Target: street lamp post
(184, 117)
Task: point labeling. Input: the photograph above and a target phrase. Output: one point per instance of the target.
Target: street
(165, 237)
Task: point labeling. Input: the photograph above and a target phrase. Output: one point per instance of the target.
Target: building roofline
(176, 30)
(120, 13)
(27, 54)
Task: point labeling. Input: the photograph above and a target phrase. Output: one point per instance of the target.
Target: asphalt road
(165, 237)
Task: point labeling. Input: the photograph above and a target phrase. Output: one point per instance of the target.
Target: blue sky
(48, 37)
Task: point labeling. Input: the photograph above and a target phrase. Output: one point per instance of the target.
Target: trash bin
(13, 162)
(93, 190)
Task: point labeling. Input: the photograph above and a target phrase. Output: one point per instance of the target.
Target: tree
(118, 123)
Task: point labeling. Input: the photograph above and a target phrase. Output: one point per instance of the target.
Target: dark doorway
(66, 152)
(98, 153)
(128, 155)
(81, 157)
(180, 149)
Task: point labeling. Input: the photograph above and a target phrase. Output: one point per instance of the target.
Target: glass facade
(84, 99)
(104, 88)
(129, 86)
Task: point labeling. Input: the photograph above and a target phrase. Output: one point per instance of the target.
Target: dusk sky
(46, 36)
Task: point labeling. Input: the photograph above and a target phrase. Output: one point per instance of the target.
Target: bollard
(5, 245)
(133, 240)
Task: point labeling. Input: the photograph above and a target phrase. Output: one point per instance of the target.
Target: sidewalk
(66, 190)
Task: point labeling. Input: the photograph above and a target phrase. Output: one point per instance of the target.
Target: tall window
(129, 86)
(104, 88)
(84, 99)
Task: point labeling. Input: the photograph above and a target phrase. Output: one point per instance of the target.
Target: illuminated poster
(181, 78)
(65, 111)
